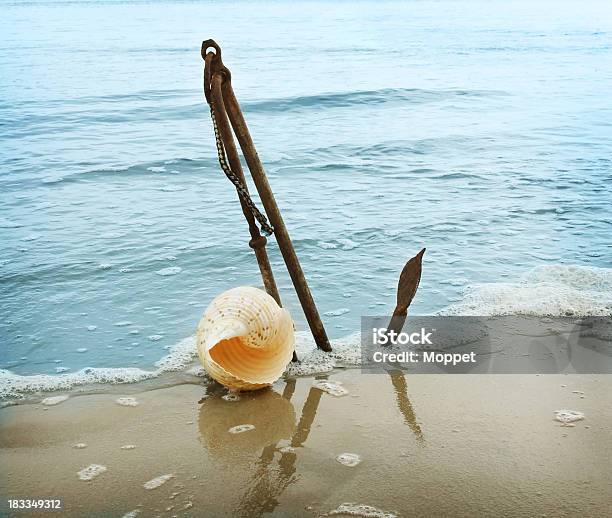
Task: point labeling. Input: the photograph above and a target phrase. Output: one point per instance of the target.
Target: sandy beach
(439, 165)
(427, 445)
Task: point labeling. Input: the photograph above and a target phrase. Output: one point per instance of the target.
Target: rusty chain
(241, 189)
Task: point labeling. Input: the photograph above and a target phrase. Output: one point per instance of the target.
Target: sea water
(480, 130)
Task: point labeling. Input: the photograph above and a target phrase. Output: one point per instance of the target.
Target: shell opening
(255, 366)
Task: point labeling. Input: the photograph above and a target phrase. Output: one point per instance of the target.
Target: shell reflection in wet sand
(270, 415)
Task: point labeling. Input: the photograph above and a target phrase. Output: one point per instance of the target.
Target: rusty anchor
(228, 120)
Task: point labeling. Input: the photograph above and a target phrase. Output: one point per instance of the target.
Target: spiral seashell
(245, 339)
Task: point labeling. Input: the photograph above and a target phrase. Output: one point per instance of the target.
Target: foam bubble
(79, 445)
(326, 245)
(231, 396)
(127, 401)
(333, 388)
(54, 400)
(131, 514)
(287, 449)
(568, 416)
(349, 459)
(91, 472)
(241, 428)
(365, 511)
(158, 481)
(128, 447)
(346, 352)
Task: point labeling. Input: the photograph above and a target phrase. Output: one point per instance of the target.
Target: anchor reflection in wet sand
(270, 482)
(277, 423)
(403, 403)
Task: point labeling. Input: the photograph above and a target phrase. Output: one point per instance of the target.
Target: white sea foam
(179, 357)
(326, 245)
(365, 511)
(54, 400)
(555, 290)
(568, 416)
(241, 428)
(127, 401)
(287, 449)
(333, 388)
(157, 481)
(349, 459)
(346, 352)
(91, 472)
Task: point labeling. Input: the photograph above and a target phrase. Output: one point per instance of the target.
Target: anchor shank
(282, 235)
(257, 242)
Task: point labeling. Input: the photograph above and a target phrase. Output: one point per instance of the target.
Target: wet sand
(430, 445)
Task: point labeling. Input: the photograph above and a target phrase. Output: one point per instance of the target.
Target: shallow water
(479, 130)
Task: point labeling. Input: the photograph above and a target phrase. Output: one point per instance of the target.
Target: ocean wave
(30, 118)
(552, 290)
(186, 166)
(361, 98)
(179, 357)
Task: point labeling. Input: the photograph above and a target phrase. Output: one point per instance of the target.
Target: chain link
(244, 195)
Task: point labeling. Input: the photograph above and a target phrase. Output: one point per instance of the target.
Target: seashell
(245, 339)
